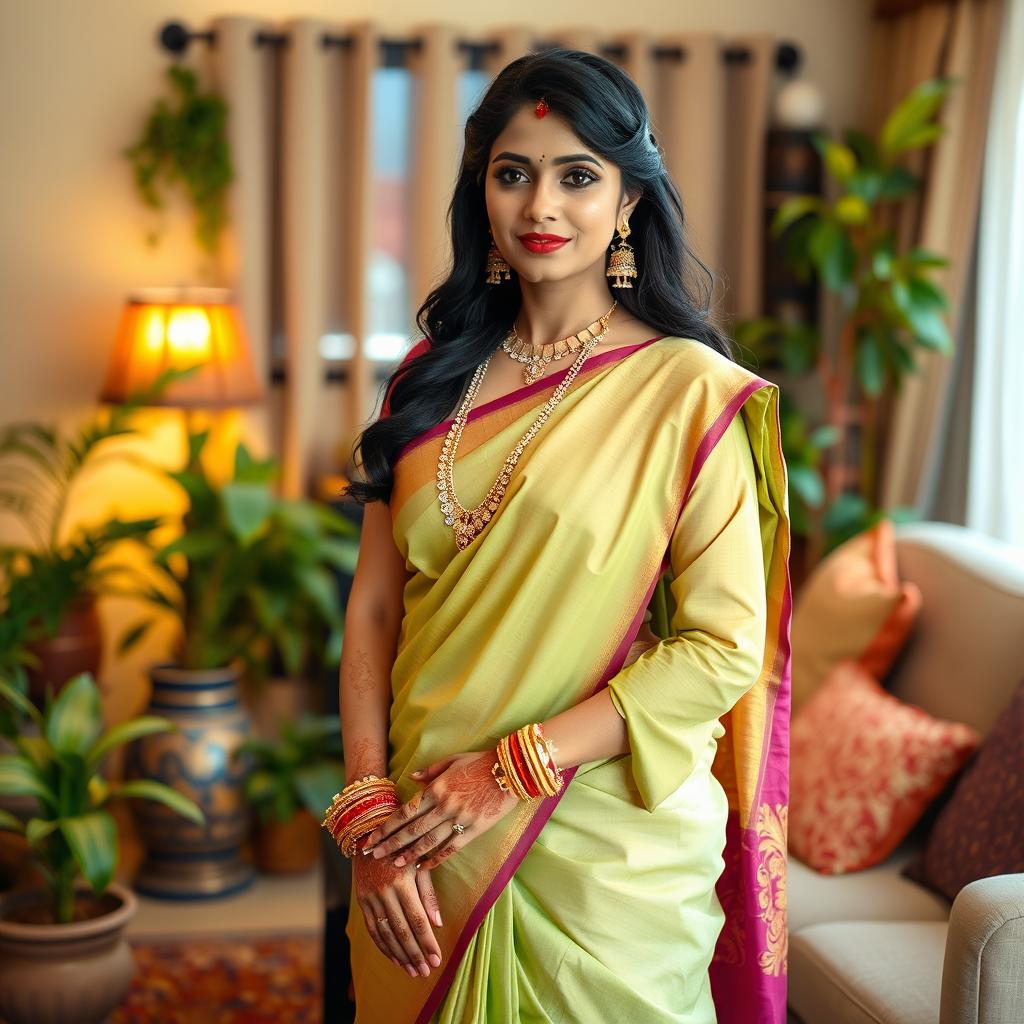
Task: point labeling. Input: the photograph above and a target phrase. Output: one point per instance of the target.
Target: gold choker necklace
(536, 357)
(466, 523)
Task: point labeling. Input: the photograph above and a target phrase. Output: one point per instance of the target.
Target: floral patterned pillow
(864, 768)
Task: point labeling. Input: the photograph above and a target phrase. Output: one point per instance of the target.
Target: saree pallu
(652, 888)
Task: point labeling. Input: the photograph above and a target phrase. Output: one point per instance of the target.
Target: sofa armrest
(983, 967)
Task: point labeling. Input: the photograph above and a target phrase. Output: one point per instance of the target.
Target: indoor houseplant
(248, 580)
(69, 930)
(292, 779)
(889, 303)
(187, 143)
(49, 585)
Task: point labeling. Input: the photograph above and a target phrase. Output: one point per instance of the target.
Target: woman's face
(532, 188)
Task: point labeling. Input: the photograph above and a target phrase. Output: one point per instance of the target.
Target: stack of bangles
(358, 809)
(525, 767)
(526, 764)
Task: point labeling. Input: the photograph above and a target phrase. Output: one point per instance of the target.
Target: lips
(537, 243)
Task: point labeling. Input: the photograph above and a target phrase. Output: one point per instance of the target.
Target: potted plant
(290, 782)
(49, 586)
(890, 306)
(248, 580)
(69, 928)
(188, 144)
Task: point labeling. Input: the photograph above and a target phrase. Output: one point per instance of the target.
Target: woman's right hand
(407, 899)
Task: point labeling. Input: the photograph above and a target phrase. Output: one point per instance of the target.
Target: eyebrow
(570, 159)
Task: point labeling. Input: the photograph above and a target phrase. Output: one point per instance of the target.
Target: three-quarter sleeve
(673, 695)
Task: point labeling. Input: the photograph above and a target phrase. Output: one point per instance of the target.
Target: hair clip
(542, 108)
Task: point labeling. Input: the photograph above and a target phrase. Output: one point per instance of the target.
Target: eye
(587, 176)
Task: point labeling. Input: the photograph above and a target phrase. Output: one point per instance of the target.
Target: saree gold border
(523, 816)
(421, 461)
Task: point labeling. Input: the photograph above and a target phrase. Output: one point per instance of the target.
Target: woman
(533, 506)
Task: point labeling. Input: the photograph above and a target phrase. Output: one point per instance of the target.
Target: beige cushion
(880, 893)
(867, 972)
(962, 661)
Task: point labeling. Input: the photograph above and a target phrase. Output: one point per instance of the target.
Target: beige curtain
(913, 41)
(302, 203)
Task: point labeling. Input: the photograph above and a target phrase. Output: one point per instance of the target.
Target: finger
(403, 932)
(428, 897)
(430, 823)
(390, 945)
(376, 932)
(416, 915)
(418, 804)
(426, 844)
(452, 846)
(431, 771)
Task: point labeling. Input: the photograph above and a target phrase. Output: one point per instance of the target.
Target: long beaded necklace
(537, 357)
(467, 523)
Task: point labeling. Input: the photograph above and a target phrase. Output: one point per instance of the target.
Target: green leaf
(247, 507)
(93, 841)
(196, 544)
(126, 732)
(134, 635)
(840, 160)
(907, 121)
(834, 254)
(20, 702)
(39, 828)
(19, 777)
(10, 823)
(870, 363)
(919, 257)
(260, 786)
(926, 293)
(148, 789)
(898, 182)
(792, 210)
(76, 718)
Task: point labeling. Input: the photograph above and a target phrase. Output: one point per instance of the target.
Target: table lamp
(179, 327)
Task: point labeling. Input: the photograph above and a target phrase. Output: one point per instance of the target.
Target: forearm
(589, 731)
(365, 694)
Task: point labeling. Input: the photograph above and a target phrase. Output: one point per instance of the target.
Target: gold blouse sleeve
(673, 695)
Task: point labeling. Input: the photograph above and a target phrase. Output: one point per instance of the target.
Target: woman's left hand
(459, 790)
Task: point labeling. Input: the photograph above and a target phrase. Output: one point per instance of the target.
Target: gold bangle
(510, 769)
(525, 736)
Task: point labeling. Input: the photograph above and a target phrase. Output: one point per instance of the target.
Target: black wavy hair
(465, 319)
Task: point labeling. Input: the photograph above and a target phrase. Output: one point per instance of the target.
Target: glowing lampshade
(163, 327)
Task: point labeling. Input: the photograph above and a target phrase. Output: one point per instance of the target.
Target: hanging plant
(186, 143)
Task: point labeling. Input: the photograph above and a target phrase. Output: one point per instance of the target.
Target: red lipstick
(538, 243)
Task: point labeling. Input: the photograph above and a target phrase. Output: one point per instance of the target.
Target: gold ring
(458, 828)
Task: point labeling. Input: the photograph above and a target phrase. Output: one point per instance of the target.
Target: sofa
(872, 946)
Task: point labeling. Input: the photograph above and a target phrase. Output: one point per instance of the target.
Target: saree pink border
(550, 380)
(767, 1001)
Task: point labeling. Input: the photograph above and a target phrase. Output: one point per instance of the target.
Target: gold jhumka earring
(496, 265)
(622, 266)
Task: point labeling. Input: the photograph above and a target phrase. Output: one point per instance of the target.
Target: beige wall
(76, 79)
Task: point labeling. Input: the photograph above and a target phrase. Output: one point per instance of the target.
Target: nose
(541, 202)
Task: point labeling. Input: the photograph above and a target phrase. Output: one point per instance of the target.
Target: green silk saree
(652, 888)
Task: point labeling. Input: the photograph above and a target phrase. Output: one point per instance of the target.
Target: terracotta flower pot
(64, 973)
(288, 847)
(76, 647)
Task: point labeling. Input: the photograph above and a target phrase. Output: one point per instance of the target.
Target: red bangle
(361, 807)
(525, 775)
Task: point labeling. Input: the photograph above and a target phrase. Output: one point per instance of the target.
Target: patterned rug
(225, 980)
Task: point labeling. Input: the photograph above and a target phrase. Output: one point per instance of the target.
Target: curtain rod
(176, 37)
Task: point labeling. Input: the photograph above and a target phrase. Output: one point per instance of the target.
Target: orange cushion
(864, 768)
(853, 605)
